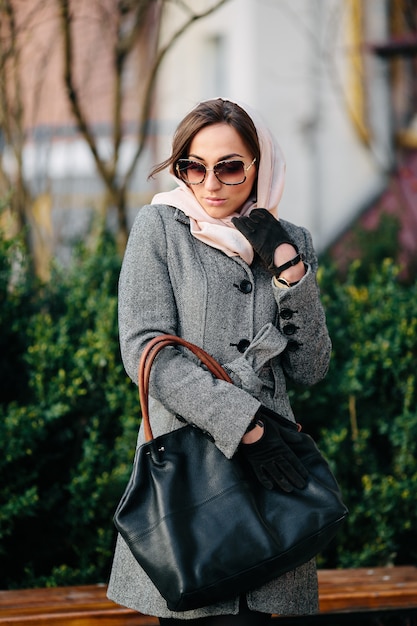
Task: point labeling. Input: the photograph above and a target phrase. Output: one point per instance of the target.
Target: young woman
(211, 262)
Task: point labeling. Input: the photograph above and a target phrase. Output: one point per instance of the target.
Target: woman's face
(221, 142)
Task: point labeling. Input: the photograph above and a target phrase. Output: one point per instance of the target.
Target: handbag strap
(148, 356)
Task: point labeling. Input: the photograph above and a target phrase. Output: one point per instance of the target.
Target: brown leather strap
(148, 356)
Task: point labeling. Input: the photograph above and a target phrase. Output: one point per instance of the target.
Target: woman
(210, 261)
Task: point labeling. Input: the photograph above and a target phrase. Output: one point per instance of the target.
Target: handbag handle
(148, 356)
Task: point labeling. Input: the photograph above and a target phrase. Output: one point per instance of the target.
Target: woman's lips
(215, 201)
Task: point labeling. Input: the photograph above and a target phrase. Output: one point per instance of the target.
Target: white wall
(289, 59)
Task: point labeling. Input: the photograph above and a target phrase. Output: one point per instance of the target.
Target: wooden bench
(357, 596)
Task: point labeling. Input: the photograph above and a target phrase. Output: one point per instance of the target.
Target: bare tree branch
(133, 19)
(150, 88)
(72, 93)
(11, 110)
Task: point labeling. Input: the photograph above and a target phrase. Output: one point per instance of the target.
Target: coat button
(289, 329)
(242, 345)
(245, 286)
(293, 346)
(286, 314)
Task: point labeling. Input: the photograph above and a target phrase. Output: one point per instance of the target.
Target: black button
(293, 346)
(245, 286)
(289, 329)
(286, 314)
(242, 345)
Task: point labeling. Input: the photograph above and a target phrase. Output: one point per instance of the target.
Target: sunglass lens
(191, 172)
(230, 172)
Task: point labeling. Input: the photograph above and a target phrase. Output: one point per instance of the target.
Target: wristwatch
(283, 283)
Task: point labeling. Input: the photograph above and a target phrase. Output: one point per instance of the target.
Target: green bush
(364, 414)
(69, 418)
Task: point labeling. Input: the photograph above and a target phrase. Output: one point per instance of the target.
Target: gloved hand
(265, 234)
(271, 459)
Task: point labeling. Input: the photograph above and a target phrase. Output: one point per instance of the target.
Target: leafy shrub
(364, 413)
(69, 416)
(68, 424)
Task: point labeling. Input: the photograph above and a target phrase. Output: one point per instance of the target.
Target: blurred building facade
(305, 65)
(334, 79)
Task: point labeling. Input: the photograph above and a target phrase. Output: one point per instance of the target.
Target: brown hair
(205, 114)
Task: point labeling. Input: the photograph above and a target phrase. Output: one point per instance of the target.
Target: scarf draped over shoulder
(220, 233)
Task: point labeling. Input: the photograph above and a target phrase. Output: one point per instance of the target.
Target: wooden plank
(368, 588)
(69, 606)
(123, 617)
(341, 591)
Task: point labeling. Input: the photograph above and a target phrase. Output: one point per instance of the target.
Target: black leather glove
(265, 234)
(271, 459)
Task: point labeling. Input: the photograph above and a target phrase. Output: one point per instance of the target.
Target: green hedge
(69, 417)
(364, 414)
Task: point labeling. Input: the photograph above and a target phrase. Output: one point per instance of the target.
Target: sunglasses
(226, 172)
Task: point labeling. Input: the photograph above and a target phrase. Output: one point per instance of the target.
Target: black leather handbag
(199, 525)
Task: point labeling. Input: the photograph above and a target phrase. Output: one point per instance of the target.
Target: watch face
(282, 283)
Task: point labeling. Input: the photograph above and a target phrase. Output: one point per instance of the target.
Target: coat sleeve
(300, 337)
(301, 319)
(146, 309)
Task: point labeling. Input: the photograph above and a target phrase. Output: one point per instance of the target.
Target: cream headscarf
(220, 233)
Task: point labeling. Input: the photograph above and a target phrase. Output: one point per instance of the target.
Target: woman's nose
(211, 182)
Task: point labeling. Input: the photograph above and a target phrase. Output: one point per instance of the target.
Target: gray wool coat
(171, 282)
